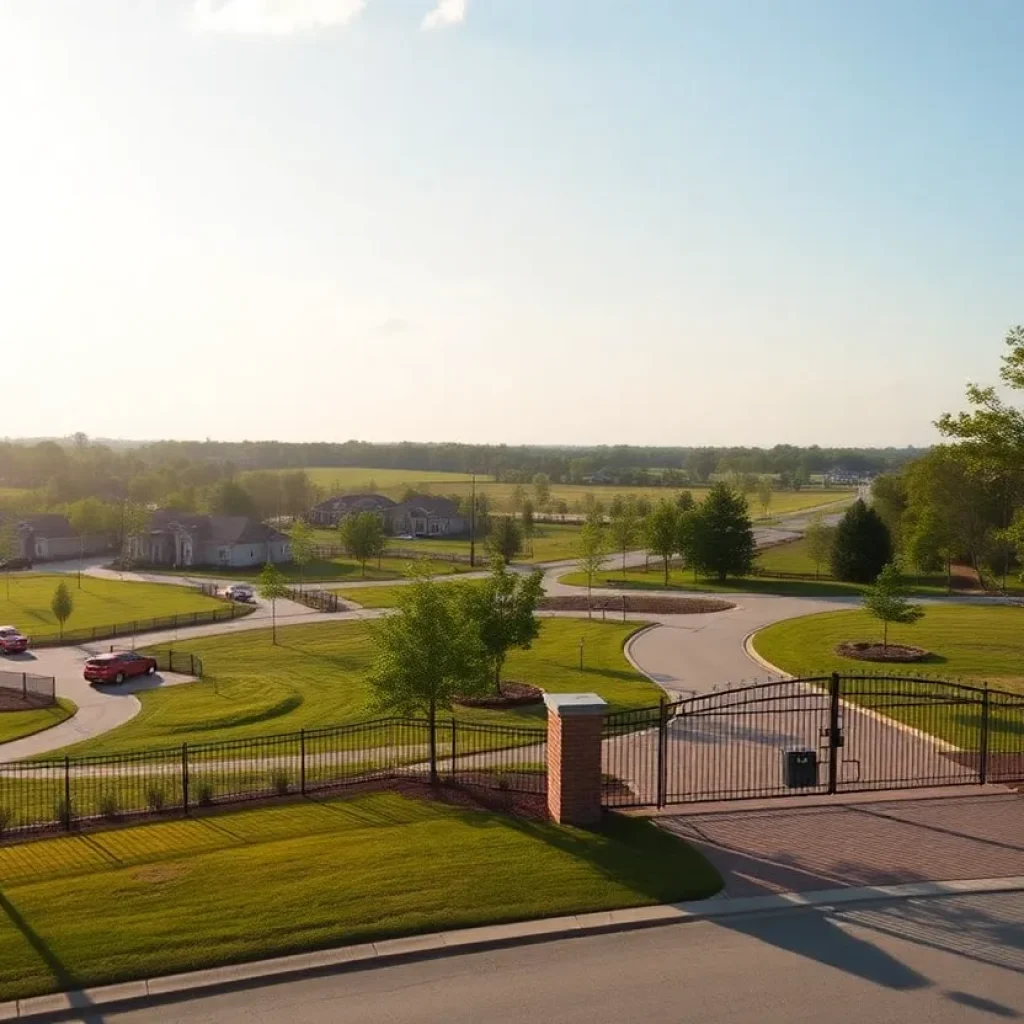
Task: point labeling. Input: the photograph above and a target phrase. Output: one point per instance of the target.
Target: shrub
(156, 798)
(6, 820)
(204, 794)
(282, 783)
(110, 806)
(62, 812)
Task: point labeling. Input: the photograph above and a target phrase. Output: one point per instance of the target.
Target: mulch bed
(866, 650)
(513, 695)
(11, 700)
(635, 603)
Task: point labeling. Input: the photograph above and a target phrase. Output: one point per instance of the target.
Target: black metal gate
(824, 734)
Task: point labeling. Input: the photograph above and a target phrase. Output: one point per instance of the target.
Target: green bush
(156, 798)
(204, 794)
(282, 783)
(62, 812)
(6, 820)
(110, 805)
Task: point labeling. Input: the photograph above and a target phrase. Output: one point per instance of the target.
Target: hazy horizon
(581, 223)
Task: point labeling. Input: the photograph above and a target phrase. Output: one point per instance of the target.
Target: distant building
(51, 537)
(182, 539)
(839, 476)
(426, 517)
(333, 510)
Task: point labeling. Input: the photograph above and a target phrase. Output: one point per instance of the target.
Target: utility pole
(472, 522)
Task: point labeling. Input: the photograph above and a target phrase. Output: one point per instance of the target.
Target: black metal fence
(182, 621)
(28, 688)
(826, 734)
(48, 795)
(321, 600)
(170, 660)
(328, 551)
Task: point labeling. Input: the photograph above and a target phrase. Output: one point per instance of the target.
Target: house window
(223, 554)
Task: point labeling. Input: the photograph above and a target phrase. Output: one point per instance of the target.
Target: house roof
(355, 503)
(48, 525)
(217, 529)
(429, 507)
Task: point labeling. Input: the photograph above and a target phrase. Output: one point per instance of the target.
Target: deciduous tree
(819, 537)
(886, 600)
(271, 586)
(62, 605)
(591, 551)
(661, 532)
(542, 489)
(623, 528)
(301, 539)
(361, 536)
(506, 538)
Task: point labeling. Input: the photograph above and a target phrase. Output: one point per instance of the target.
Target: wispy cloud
(273, 17)
(447, 12)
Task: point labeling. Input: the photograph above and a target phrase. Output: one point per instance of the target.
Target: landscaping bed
(871, 650)
(634, 603)
(512, 695)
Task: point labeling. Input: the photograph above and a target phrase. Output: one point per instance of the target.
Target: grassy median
(14, 725)
(183, 895)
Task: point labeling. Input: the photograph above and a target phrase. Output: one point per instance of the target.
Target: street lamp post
(472, 522)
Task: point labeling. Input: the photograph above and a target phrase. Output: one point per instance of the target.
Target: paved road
(938, 960)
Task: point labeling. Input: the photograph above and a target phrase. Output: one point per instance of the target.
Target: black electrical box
(800, 768)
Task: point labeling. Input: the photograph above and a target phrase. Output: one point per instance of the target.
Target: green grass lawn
(978, 644)
(790, 557)
(99, 602)
(187, 894)
(16, 724)
(334, 569)
(316, 676)
(387, 596)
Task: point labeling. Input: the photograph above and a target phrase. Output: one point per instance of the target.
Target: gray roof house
(333, 510)
(426, 516)
(51, 536)
(182, 539)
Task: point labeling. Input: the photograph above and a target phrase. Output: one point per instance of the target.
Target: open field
(316, 676)
(16, 724)
(99, 602)
(979, 644)
(182, 895)
(393, 483)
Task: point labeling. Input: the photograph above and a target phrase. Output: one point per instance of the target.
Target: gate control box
(800, 768)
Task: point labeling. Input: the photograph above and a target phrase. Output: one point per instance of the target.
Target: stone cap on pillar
(565, 704)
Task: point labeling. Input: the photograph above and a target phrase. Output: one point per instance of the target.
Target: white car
(240, 592)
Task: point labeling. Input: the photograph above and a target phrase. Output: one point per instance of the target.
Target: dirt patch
(634, 603)
(12, 700)
(868, 650)
(513, 695)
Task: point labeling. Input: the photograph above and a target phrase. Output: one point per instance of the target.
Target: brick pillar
(574, 757)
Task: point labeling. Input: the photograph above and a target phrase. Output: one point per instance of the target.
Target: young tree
(820, 538)
(428, 652)
(862, 545)
(271, 586)
(591, 551)
(526, 518)
(87, 517)
(685, 501)
(765, 487)
(516, 499)
(542, 490)
(503, 610)
(301, 538)
(361, 536)
(8, 546)
(62, 605)
(506, 538)
(380, 544)
(661, 532)
(623, 528)
(722, 535)
(886, 600)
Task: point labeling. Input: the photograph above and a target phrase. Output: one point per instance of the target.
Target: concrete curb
(60, 1006)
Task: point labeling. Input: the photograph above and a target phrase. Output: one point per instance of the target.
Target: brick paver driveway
(870, 842)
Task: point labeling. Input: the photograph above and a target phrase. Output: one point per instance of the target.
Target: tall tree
(9, 546)
(271, 586)
(591, 551)
(685, 501)
(361, 536)
(301, 539)
(819, 537)
(723, 536)
(623, 528)
(889, 500)
(661, 532)
(427, 653)
(542, 490)
(88, 517)
(886, 600)
(516, 499)
(765, 488)
(862, 545)
(230, 498)
(503, 608)
(62, 605)
(527, 520)
(506, 538)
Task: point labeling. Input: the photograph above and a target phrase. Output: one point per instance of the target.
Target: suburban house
(181, 539)
(50, 537)
(333, 510)
(426, 516)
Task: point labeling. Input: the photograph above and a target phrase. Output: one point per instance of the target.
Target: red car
(118, 666)
(12, 641)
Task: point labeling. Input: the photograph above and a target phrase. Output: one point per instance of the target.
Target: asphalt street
(926, 961)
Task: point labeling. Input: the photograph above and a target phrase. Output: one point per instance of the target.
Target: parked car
(10, 564)
(12, 640)
(118, 666)
(240, 592)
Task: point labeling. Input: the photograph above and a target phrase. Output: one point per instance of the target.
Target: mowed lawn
(979, 644)
(187, 894)
(99, 602)
(317, 676)
(332, 570)
(16, 724)
(387, 596)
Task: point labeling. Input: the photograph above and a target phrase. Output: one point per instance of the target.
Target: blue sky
(563, 221)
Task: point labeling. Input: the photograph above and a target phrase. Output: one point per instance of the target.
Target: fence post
(453, 749)
(833, 732)
(184, 778)
(24, 686)
(67, 793)
(662, 783)
(983, 760)
(575, 724)
(302, 761)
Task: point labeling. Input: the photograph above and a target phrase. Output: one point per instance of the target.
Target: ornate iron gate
(825, 734)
